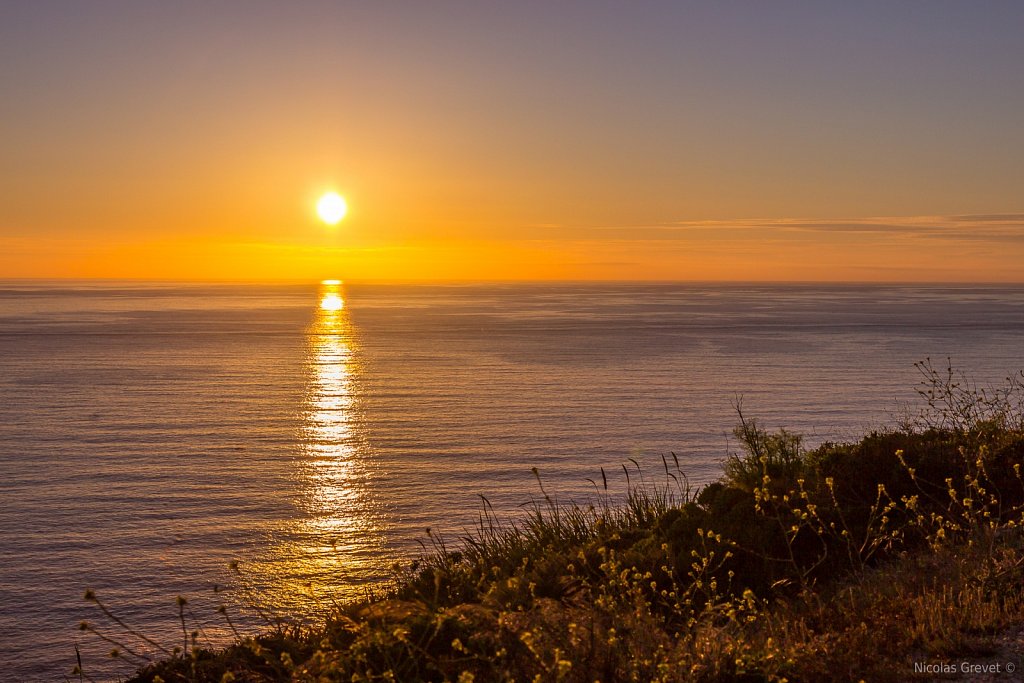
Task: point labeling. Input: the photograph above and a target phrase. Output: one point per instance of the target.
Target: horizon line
(470, 281)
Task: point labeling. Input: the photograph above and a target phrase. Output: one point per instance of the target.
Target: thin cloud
(996, 228)
(990, 217)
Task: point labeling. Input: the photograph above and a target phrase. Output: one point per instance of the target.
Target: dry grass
(847, 562)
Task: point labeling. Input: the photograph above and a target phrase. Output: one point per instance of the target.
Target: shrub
(772, 573)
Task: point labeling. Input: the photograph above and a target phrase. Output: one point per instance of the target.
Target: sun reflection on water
(329, 422)
(332, 302)
(336, 543)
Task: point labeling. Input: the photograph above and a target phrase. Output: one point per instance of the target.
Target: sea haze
(152, 434)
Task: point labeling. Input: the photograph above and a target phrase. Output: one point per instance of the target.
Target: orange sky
(531, 143)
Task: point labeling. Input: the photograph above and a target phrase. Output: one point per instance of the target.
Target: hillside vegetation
(848, 561)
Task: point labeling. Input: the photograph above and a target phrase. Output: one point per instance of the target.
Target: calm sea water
(152, 434)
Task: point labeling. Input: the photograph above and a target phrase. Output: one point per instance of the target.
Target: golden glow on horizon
(331, 208)
(887, 249)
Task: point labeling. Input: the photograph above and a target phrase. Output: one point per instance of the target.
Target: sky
(782, 141)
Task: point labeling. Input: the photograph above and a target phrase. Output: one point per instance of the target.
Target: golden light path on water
(336, 545)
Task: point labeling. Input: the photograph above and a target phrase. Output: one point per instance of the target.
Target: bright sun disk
(331, 208)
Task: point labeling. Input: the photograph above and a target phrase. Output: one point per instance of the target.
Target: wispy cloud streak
(995, 228)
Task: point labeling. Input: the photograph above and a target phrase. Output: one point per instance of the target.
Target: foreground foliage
(845, 562)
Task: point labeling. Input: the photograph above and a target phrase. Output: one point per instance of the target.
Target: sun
(331, 208)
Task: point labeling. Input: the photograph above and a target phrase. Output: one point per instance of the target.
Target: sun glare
(332, 302)
(331, 208)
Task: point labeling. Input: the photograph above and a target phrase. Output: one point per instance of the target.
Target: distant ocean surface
(152, 434)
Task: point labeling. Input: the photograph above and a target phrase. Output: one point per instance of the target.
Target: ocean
(277, 448)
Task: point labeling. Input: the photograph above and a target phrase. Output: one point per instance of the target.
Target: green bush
(771, 573)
